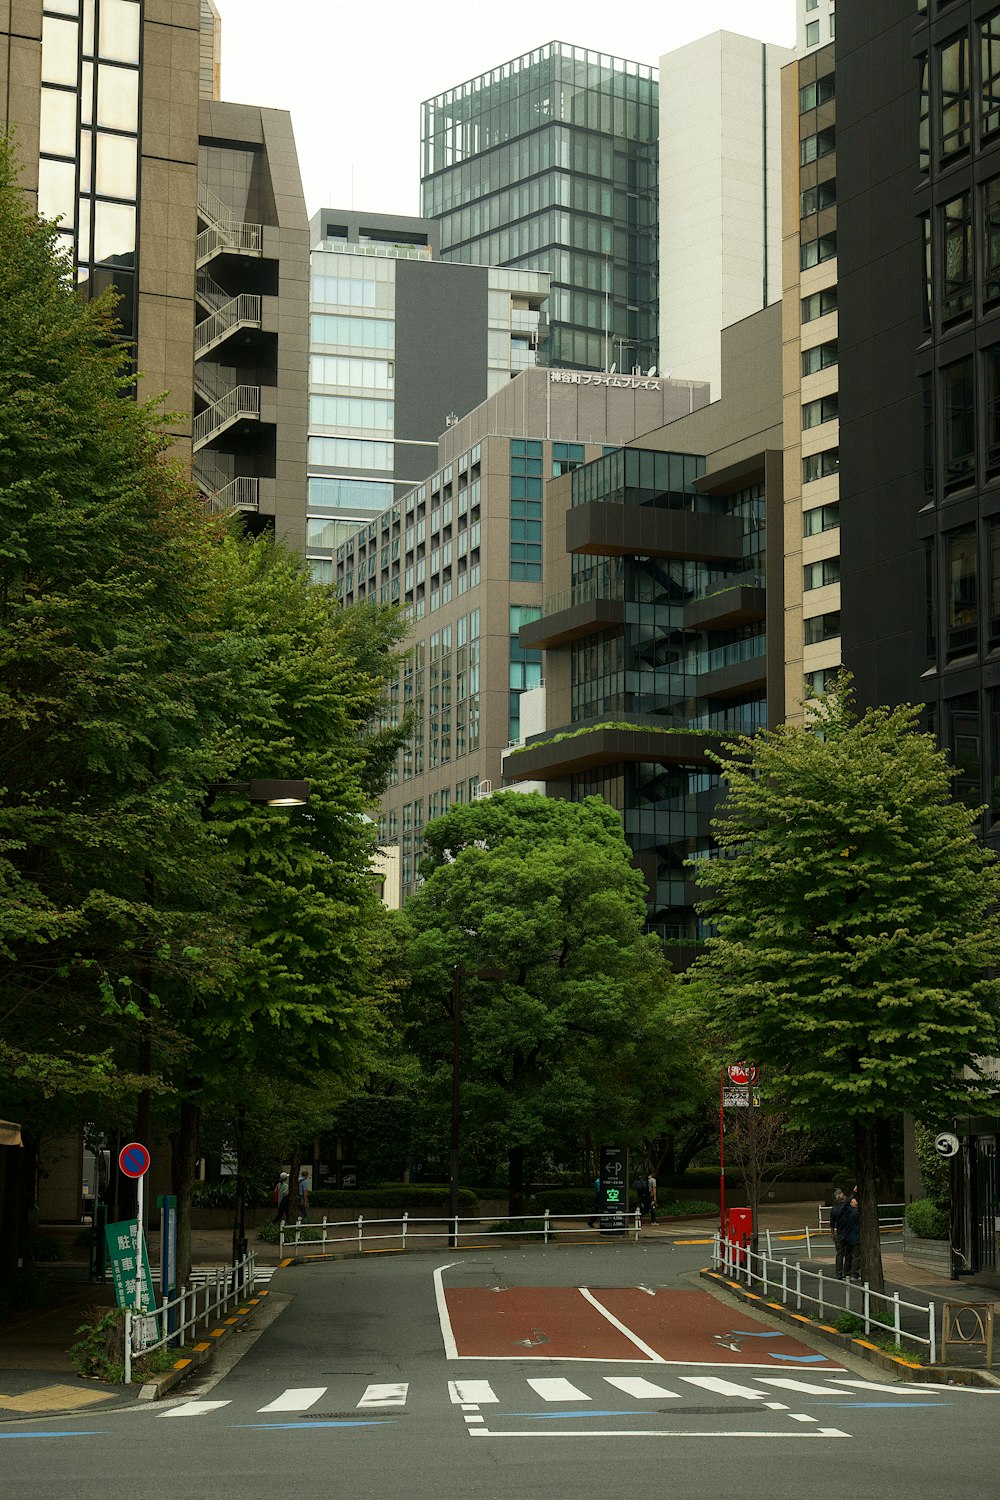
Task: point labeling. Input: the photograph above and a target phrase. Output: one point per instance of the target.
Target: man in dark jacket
(850, 1227)
(836, 1214)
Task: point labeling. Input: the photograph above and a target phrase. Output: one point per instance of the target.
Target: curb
(902, 1369)
(202, 1352)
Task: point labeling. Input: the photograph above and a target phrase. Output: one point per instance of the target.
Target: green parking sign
(129, 1265)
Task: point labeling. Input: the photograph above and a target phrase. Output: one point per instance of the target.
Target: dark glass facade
(550, 163)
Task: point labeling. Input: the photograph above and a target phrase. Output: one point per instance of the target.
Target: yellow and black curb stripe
(902, 1369)
(158, 1386)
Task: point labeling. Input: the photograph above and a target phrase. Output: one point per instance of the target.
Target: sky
(353, 73)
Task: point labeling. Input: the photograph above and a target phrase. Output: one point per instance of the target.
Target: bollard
(545, 1228)
(867, 1307)
(809, 1253)
(406, 1216)
(128, 1346)
(896, 1326)
(798, 1287)
(932, 1334)
(361, 1231)
(767, 1236)
(822, 1305)
(784, 1280)
(324, 1233)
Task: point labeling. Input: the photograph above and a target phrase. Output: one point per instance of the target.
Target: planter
(932, 1255)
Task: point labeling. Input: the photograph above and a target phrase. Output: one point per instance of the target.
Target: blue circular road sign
(133, 1159)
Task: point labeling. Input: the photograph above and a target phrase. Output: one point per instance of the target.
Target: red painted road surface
(683, 1327)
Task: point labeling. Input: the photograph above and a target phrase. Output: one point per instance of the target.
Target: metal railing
(241, 401)
(178, 1317)
(890, 1215)
(792, 1282)
(544, 1227)
(239, 312)
(210, 292)
(209, 478)
(241, 493)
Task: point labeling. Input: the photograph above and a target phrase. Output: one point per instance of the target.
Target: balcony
(240, 404)
(233, 316)
(585, 609)
(729, 608)
(557, 759)
(608, 530)
(224, 233)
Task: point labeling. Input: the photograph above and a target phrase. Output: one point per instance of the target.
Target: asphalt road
(559, 1372)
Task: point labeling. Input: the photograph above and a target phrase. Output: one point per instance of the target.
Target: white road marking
(558, 1389)
(470, 1420)
(447, 1334)
(775, 1405)
(907, 1389)
(385, 1395)
(794, 1416)
(802, 1386)
(651, 1354)
(473, 1392)
(723, 1387)
(639, 1387)
(194, 1409)
(617, 1432)
(296, 1399)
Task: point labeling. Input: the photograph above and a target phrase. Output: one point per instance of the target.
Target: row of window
(956, 562)
(954, 245)
(820, 465)
(951, 423)
(962, 86)
(813, 37)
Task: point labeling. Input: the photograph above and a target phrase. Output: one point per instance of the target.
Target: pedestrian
(653, 1205)
(303, 1196)
(850, 1227)
(641, 1189)
(836, 1214)
(598, 1205)
(280, 1196)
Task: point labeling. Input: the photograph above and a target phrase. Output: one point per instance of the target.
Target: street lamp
(262, 793)
(456, 1085)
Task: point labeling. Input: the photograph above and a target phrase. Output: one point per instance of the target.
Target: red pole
(722, 1159)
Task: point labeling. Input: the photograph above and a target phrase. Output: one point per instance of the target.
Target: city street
(560, 1372)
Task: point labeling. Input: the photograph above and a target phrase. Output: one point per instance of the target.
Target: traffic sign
(614, 1188)
(738, 1097)
(133, 1159)
(743, 1072)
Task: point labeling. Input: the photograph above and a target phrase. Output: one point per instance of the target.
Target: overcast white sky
(354, 72)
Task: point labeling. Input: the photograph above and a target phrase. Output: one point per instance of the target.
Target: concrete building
(811, 378)
(720, 195)
(401, 344)
(548, 163)
(661, 625)
(462, 553)
(816, 25)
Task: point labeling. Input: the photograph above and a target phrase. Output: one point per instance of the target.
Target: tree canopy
(856, 921)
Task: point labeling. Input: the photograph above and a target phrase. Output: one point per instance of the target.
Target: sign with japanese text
(129, 1265)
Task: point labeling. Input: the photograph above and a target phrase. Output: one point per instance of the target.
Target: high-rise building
(811, 378)
(549, 163)
(462, 553)
(720, 195)
(401, 345)
(816, 25)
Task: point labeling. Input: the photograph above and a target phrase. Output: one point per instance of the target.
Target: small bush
(926, 1219)
(99, 1351)
(516, 1229)
(848, 1322)
(397, 1195)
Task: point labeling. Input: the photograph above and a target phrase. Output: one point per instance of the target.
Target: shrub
(402, 1196)
(100, 1348)
(848, 1322)
(926, 1219)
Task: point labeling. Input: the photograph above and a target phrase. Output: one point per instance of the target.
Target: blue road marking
(881, 1405)
(801, 1359)
(744, 1333)
(49, 1434)
(303, 1426)
(560, 1416)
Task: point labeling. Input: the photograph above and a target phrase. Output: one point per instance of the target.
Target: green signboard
(122, 1240)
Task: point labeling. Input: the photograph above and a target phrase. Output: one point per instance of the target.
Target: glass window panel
(954, 63)
(991, 361)
(87, 94)
(991, 241)
(119, 37)
(114, 233)
(956, 227)
(57, 123)
(60, 51)
(959, 433)
(963, 602)
(989, 48)
(86, 161)
(116, 166)
(56, 189)
(64, 7)
(118, 98)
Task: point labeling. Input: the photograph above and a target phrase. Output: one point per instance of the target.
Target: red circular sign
(742, 1072)
(133, 1159)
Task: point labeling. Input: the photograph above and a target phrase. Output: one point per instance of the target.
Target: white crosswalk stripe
(471, 1393)
(194, 1409)
(385, 1395)
(639, 1388)
(801, 1387)
(298, 1398)
(557, 1389)
(723, 1387)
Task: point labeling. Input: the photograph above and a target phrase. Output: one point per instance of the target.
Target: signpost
(129, 1260)
(734, 1093)
(614, 1189)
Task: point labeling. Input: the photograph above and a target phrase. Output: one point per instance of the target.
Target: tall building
(918, 148)
(661, 626)
(720, 195)
(401, 344)
(462, 553)
(548, 163)
(811, 377)
(816, 24)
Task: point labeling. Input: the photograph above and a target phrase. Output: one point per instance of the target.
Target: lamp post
(456, 1085)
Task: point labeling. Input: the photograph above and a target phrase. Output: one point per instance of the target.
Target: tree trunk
(886, 1177)
(515, 1163)
(239, 1210)
(871, 1247)
(184, 1158)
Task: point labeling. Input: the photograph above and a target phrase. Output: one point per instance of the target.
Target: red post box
(739, 1229)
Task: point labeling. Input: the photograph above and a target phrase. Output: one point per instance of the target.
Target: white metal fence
(791, 1282)
(216, 1291)
(404, 1231)
(890, 1215)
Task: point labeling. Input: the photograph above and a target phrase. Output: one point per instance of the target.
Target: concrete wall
(441, 352)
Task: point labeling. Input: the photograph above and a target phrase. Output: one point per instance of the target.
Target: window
(818, 574)
(963, 596)
(815, 147)
(820, 518)
(820, 465)
(991, 241)
(931, 591)
(815, 252)
(954, 74)
(819, 358)
(812, 33)
(927, 279)
(819, 304)
(991, 392)
(823, 195)
(813, 94)
(956, 229)
(812, 4)
(927, 387)
(959, 424)
(965, 744)
(815, 413)
(818, 682)
(989, 73)
(925, 115)
(821, 628)
(994, 544)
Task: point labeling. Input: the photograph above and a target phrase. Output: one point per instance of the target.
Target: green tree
(544, 891)
(856, 917)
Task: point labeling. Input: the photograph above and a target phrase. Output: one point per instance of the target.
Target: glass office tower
(549, 163)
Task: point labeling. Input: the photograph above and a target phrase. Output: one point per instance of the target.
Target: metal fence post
(822, 1304)
(798, 1286)
(324, 1232)
(784, 1280)
(765, 1262)
(281, 1239)
(767, 1236)
(361, 1231)
(406, 1216)
(932, 1333)
(128, 1346)
(809, 1253)
(896, 1326)
(867, 1304)
(545, 1228)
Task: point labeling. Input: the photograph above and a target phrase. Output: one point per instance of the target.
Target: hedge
(406, 1195)
(925, 1219)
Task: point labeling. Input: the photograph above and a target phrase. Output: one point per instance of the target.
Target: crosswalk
(558, 1391)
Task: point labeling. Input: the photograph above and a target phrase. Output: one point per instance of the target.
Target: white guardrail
(792, 1282)
(305, 1234)
(890, 1215)
(175, 1319)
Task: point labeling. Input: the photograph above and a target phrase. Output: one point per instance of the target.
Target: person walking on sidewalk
(653, 1205)
(850, 1223)
(836, 1215)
